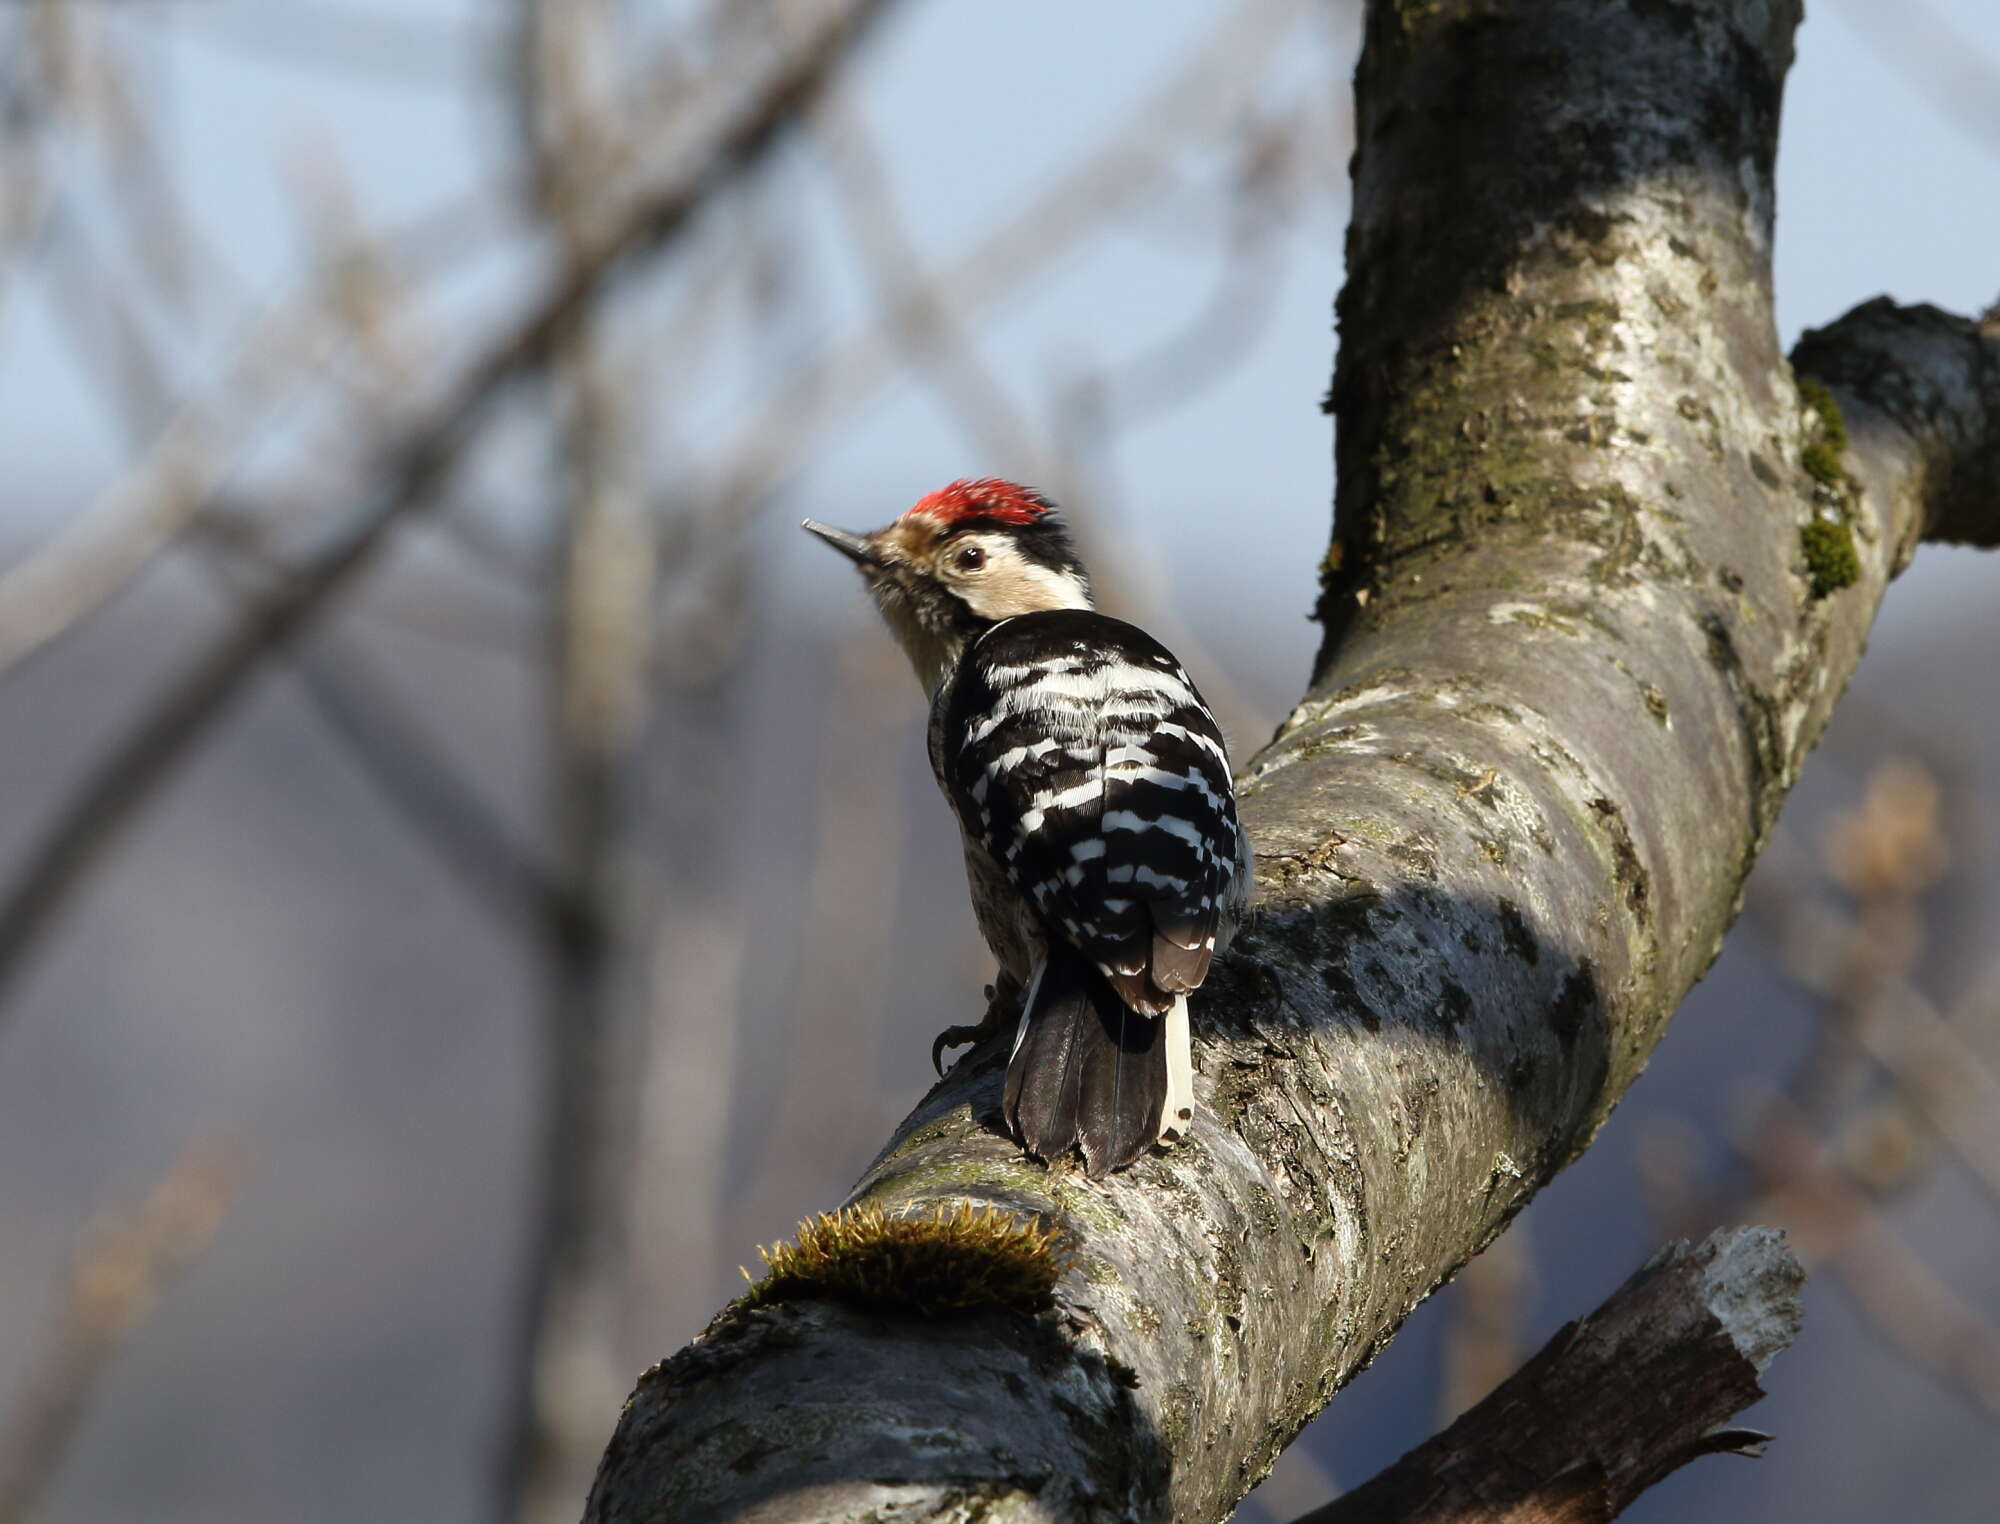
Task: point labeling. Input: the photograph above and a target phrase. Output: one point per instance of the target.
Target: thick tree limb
(1576, 655)
(1611, 1404)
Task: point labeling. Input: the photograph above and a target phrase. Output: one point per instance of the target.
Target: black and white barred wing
(1091, 771)
(1169, 824)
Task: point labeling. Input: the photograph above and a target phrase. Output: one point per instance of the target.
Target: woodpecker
(1092, 788)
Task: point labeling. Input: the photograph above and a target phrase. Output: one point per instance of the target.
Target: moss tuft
(1822, 463)
(1831, 559)
(948, 1264)
(1833, 427)
(1830, 556)
(1821, 456)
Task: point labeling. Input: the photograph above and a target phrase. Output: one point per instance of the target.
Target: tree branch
(126, 1263)
(1581, 633)
(1611, 1404)
(562, 1355)
(1920, 391)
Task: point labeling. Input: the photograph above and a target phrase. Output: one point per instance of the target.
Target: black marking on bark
(1520, 941)
(1758, 719)
(1575, 1001)
(1625, 856)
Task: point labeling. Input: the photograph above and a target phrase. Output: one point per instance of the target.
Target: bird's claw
(998, 1008)
(954, 1037)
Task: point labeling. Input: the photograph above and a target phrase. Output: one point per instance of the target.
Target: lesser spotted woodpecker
(1092, 788)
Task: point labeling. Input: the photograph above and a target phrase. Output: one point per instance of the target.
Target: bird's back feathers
(1077, 752)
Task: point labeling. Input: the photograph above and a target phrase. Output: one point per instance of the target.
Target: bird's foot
(1003, 1008)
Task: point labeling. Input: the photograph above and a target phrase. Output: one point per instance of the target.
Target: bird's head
(959, 561)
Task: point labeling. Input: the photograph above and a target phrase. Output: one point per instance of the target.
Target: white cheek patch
(1012, 584)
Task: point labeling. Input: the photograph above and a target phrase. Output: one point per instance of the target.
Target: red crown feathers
(983, 497)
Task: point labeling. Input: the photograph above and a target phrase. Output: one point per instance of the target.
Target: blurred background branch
(126, 1262)
(417, 461)
(1889, 1090)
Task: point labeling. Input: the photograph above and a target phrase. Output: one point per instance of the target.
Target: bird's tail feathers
(1089, 1071)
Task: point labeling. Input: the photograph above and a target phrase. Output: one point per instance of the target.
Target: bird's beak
(853, 546)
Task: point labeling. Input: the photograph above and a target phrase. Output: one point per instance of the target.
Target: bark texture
(1578, 645)
(1611, 1404)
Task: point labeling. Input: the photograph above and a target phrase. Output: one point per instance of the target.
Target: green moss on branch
(1831, 560)
(1828, 541)
(1821, 456)
(949, 1264)
(1833, 426)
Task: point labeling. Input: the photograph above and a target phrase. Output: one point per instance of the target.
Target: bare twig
(438, 800)
(1944, 66)
(1222, 72)
(927, 323)
(1940, 1076)
(122, 1269)
(932, 334)
(184, 456)
(1900, 1296)
(1885, 853)
(564, 1367)
(736, 137)
(377, 43)
(101, 548)
(1199, 354)
(563, 1346)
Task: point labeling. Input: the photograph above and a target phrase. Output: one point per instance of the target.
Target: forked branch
(1600, 572)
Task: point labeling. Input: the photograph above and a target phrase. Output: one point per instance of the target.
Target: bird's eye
(970, 558)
